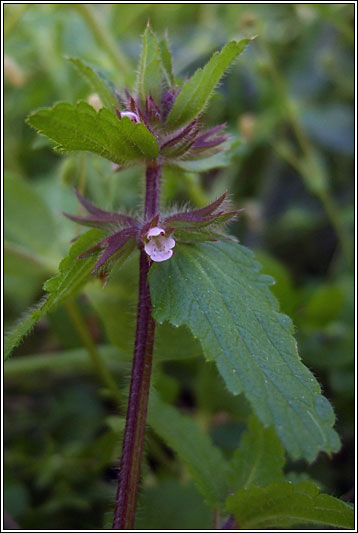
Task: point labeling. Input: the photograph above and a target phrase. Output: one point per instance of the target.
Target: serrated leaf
(281, 505)
(72, 276)
(15, 335)
(259, 459)
(149, 80)
(80, 127)
(166, 62)
(96, 81)
(215, 289)
(213, 398)
(205, 462)
(298, 477)
(197, 91)
(115, 307)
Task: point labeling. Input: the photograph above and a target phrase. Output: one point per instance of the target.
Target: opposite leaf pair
(158, 120)
(156, 235)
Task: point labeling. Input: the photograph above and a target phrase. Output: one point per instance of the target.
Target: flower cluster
(151, 104)
(186, 143)
(157, 236)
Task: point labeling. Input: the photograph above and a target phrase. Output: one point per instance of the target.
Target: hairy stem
(130, 465)
(152, 191)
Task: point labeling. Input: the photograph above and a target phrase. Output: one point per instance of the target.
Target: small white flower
(159, 247)
(133, 116)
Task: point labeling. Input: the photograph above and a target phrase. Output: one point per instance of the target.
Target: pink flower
(133, 116)
(159, 247)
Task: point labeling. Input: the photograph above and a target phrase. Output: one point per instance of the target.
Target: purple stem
(152, 191)
(230, 523)
(9, 522)
(130, 465)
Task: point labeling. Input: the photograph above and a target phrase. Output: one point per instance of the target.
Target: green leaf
(297, 477)
(115, 309)
(212, 398)
(205, 462)
(281, 505)
(197, 91)
(172, 497)
(181, 507)
(97, 82)
(72, 276)
(149, 80)
(80, 127)
(215, 289)
(166, 62)
(15, 335)
(283, 288)
(259, 459)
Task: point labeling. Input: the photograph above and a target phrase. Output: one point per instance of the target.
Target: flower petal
(150, 248)
(158, 257)
(169, 243)
(154, 232)
(130, 114)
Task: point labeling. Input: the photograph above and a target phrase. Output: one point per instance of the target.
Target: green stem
(65, 361)
(333, 215)
(85, 336)
(103, 37)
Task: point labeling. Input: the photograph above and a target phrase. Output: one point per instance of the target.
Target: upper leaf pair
(166, 115)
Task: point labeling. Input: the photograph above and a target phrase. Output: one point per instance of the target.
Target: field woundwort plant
(197, 291)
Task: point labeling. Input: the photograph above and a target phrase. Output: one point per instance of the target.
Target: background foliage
(290, 102)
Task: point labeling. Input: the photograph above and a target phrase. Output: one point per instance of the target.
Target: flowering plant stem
(130, 465)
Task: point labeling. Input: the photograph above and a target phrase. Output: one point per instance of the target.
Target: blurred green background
(289, 99)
